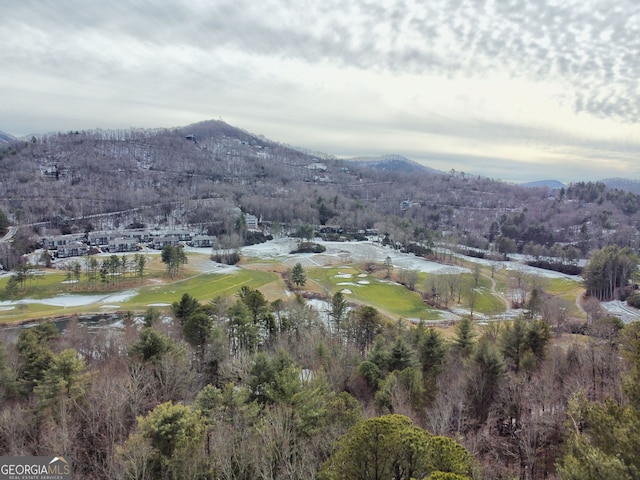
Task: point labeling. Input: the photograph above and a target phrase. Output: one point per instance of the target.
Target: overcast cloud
(511, 89)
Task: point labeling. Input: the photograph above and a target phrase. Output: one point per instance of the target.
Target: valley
(443, 305)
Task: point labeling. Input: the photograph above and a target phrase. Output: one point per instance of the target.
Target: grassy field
(158, 290)
(486, 302)
(205, 287)
(392, 299)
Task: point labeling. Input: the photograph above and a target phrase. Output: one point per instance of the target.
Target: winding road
(9, 235)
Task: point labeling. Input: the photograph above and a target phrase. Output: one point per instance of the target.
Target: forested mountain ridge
(196, 174)
(623, 184)
(5, 137)
(394, 163)
(551, 184)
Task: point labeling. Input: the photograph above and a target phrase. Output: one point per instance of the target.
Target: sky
(517, 90)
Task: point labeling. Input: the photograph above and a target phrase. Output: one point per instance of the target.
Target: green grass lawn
(203, 286)
(48, 285)
(564, 287)
(389, 298)
(568, 290)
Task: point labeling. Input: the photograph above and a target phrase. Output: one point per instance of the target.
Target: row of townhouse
(72, 249)
(198, 241)
(53, 243)
(103, 239)
(74, 245)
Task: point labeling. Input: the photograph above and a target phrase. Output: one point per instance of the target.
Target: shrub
(634, 300)
(310, 247)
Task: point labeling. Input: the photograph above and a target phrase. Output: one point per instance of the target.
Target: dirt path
(507, 303)
(579, 303)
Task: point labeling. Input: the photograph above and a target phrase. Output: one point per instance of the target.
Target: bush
(310, 247)
(228, 258)
(565, 268)
(254, 238)
(418, 249)
(634, 300)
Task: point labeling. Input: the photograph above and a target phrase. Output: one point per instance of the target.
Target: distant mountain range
(5, 137)
(398, 163)
(623, 184)
(394, 163)
(551, 184)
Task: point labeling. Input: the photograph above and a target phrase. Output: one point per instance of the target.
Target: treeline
(243, 388)
(569, 269)
(611, 273)
(4, 223)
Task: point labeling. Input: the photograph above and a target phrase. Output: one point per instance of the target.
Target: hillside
(626, 184)
(551, 184)
(198, 176)
(394, 163)
(5, 137)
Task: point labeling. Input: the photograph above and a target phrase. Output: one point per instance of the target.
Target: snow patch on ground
(204, 264)
(75, 300)
(621, 310)
(517, 265)
(340, 253)
(323, 308)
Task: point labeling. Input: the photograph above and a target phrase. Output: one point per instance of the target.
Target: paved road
(12, 231)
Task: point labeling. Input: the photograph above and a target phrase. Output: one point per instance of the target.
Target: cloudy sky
(511, 89)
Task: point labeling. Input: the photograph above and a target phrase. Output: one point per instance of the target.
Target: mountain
(551, 184)
(393, 163)
(203, 174)
(5, 137)
(217, 129)
(626, 184)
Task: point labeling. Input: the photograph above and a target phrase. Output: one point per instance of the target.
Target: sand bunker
(343, 275)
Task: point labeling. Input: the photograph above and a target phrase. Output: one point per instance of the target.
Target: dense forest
(243, 388)
(247, 387)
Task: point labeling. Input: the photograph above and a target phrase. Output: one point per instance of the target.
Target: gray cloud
(201, 57)
(589, 44)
